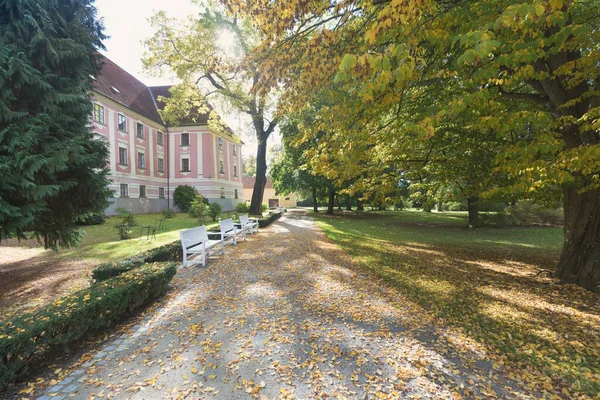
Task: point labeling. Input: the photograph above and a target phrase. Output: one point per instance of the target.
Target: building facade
(149, 159)
(270, 198)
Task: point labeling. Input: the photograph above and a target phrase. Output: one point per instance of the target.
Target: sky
(126, 24)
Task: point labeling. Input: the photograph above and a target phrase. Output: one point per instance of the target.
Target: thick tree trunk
(314, 197)
(580, 259)
(261, 179)
(348, 203)
(339, 203)
(473, 209)
(331, 202)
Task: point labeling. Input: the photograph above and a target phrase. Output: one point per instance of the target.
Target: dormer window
(115, 90)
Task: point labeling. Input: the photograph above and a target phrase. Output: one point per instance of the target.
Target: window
(99, 113)
(221, 167)
(222, 193)
(122, 156)
(235, 170)
(161, 193)
(124, 190)
(141, 161)
(140, 130)
(161, 165)
(185, 139)
(159, 138)
(121, 123)
(142, 190)
(287, 198)
(234, 150)
(185, 165)
(220, 143)
(236, 193)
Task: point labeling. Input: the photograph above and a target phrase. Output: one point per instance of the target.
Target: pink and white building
(149, 159)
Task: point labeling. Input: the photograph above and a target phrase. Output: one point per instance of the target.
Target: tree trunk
(439, 206)
(261, 179)
(473, 209)
(580, 259)
(359, 204)
(314, 198)
(348, 203)
(331, 202)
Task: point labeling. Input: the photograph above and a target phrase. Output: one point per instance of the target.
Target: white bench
(195, 241)
(248, 224)
(229, 232)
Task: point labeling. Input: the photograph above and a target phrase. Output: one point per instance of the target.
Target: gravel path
(286, 314)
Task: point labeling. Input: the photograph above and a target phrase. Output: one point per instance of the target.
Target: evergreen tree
(52, 170)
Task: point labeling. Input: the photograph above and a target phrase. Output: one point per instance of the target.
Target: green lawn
(490, 284)
(102, 241)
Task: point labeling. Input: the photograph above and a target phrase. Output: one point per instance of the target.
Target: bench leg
(184, 259)
(204, 254)
(223, 246)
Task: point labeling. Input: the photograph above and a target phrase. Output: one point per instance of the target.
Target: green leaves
(53, 172)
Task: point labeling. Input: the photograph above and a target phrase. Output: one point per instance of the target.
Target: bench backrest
(226, 225)
(244, 219)
(193, 236)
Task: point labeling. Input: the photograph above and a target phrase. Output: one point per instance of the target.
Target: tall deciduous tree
(51, 169)
(195, 52)
(541, 54)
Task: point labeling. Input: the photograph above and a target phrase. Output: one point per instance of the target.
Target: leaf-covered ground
(31, 277)
(286, 314)
(492, 285)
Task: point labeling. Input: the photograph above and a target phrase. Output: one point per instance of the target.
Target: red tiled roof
(129, 92)
(248, 182)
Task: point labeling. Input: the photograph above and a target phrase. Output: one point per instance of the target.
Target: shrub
(530, 213)
(168, 252)
(274, 216)
(242, 208)
(455, 206)
(90, 219)
(168, 213)
(183, 197)
(214, 210)
(199, 209)
(27, 338)
(125, 231)
(264, 207)
(497, 219)
(126, 216)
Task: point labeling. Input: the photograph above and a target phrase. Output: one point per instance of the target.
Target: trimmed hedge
(26, 338)
(168, 252)
(274, 216)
